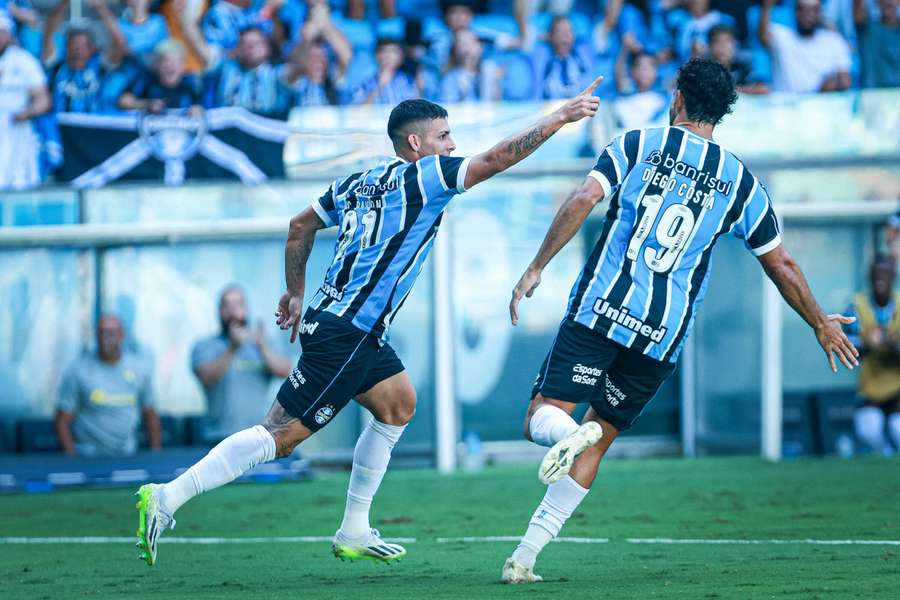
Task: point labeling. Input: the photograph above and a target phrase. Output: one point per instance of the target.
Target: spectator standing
(168, 86)
(23, 96)
(809, 58)
(137, 31)
(226, 19)
(102, 397)
(692, 25)
(77, 78)
(235, 368)
(177, 13)
(457, 17)
(561, 68)
(249, 80)
(641, 101)
(879, 43)
(471, 78)
(21, 12)
(723, 50)
(390, 84)
(876, 334)
(310, 78)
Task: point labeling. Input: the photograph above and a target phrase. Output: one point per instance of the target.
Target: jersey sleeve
(758, 224)
(67, 399)
(326, 208)
(440, 178)
(147, 393)
(612, 166)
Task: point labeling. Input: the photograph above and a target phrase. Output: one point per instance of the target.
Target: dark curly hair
(708, 90)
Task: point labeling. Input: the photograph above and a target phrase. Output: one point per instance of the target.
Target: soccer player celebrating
(673, 192)
(388, 217)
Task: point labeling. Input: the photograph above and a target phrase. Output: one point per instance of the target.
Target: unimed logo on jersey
(308, 328)
(332, 292)
(622, 317)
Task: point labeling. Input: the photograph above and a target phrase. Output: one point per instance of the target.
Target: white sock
(894, 429)
(560, 501)
(370, 461)
(549, 424)
(868, 422)
(231, 458)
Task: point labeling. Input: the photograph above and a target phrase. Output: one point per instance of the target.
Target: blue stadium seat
(419, 8)
(432, 26)
(581, 24)
(392, 29)
(496, 23)
(517, 84)
(359, 33)
(37, 435)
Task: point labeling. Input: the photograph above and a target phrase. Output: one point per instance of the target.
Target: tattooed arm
(301, 235)
(514, 149)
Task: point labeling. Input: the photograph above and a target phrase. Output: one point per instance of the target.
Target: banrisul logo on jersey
(324, 414)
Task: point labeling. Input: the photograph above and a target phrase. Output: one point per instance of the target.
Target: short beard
(806, 31)
(226, 325)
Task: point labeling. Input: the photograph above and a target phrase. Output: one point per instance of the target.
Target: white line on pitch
(762, 542)
(442, 540)
(183, 540)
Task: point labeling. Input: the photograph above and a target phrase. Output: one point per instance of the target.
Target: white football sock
(560, 501)
(894, 429)
(549, 424)
(231, 458)
(868, 422)
(370, 461)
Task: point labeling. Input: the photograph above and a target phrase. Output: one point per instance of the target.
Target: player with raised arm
(388, 217)
(673, 192)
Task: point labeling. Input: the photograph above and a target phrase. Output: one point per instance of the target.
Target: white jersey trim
(461, 175)
(322, 213)
(766, 248)
(603, 181)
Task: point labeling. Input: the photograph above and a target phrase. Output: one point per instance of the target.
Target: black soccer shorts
(338, 361)
(586, 366)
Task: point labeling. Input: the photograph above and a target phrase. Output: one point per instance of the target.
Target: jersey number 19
(672, 233)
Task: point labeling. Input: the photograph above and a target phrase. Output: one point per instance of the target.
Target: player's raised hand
(583, 105)
(833, 341)
(287, 315)
(526, 286)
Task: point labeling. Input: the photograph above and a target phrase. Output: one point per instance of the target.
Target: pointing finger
(590, 89)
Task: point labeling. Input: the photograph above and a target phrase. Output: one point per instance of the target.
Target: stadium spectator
(723, 49)
(102, 397)
(76, 79)
(457, 17)
(561, 68)
(809, 58)
(23, 96)
(691, 26)
(879, 43)
(167, 86)
(249, 80)
(737, 10)
(235, 368)
(20, 12)
(319, 27)
(311, 79)
(892, 235)
(471, 78)
(225, 20)
(391, 84)
(876, 334)
(137, 31)
(641, 101)
(177, 13)
(524, 11)
(303, 22)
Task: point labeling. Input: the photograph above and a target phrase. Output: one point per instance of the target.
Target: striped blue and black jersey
(388, 217)
(672, 195)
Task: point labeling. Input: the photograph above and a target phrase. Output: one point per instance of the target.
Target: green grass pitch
(722, 498)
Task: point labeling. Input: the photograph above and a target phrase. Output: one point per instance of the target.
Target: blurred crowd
(269, 56)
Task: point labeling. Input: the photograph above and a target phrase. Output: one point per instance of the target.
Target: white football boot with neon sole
(559, 459)
(368, 547)
(514, 572)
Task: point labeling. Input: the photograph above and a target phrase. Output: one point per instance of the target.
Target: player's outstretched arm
(566, 223)
(301, 235)
(781, 268)
(516, 148)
